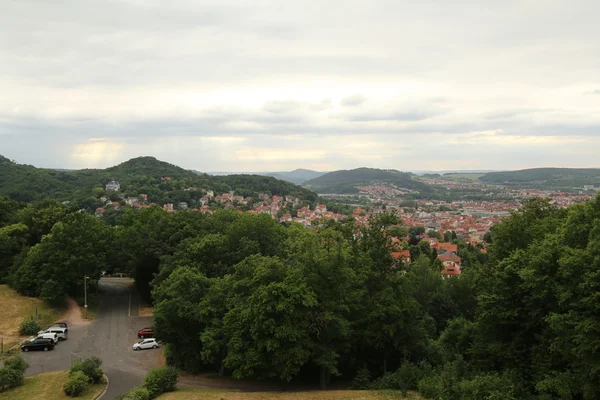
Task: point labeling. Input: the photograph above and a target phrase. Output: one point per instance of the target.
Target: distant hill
(297, 176)
(545, 177)
(344, 181)
(139, 175)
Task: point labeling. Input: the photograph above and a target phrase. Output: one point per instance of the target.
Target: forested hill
(139, 175)
(345, 181)
(547, 177)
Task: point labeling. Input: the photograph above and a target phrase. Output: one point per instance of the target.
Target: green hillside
(136, 176)
(26, 183)
(545, 177)
(345, 181)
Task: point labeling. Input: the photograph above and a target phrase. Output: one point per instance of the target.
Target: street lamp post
(85, 294)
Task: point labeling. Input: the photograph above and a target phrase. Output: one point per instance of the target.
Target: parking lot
(110, 336)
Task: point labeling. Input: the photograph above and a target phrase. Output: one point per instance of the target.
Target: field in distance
(216, 394)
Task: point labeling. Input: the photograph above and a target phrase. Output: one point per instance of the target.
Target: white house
(113, 186)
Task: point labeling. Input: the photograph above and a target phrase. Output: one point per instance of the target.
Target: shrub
(77, 384)
(137, 393)
(491, 386)
(11, 378)
(431, 387)
(362, 379)
(160, 380)
(90, 367)
(16, 363)
(405, 378)
(29, 327)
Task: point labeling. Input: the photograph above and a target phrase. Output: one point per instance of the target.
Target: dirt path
(73, 315)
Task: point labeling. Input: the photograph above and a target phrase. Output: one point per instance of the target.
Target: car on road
(62, 333)
(49, 335)
(60, 324)
(146, 333)
(146, 344)
(38, 344)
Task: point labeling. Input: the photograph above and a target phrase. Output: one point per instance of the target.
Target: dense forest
(545, 177)
(83, 188)
(244, 296)
(345, 181)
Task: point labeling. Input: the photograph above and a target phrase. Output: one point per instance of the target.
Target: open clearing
(47, 386)
(215, 394)
(15, 308)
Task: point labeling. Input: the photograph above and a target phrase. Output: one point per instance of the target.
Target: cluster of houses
(446, 252)
(277, 207)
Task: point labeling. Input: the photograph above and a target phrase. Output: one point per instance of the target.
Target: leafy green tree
(75, 248)
(178, 303)
(269, 319)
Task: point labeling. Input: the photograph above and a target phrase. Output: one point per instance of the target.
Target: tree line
(248, 297)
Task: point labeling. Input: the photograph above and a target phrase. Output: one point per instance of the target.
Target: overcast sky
(278, 85)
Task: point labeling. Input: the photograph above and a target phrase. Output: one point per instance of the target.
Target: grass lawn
(216, 394)
(15, 308)
(48, 386)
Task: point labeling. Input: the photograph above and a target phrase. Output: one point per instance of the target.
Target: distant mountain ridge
(297, 176)
(345, 181)
(550, 177)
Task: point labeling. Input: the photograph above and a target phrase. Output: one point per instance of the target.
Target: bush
(137, 393)
(16, 363)
(160, 380)
(431, 387)
(405, 378)
(362, 379)
(90, 367)
(29, 327)
(11, 378)
(77, 384)
(491, 386)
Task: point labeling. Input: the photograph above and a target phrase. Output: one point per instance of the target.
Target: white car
(146, 344)
(62, 333)
(52, 336)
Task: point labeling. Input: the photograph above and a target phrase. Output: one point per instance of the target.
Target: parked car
(146, 344)
(62, 333)
(38, 344)
(59, 325)
(146, 333)
(49, 335)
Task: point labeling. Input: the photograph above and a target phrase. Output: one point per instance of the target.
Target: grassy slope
(47, 386)
(15, 308)
(215, 394)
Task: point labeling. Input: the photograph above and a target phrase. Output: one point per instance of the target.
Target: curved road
(110, 336)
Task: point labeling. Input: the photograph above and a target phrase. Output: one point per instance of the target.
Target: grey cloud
(508, 114)
(393, 116)
(353, 100)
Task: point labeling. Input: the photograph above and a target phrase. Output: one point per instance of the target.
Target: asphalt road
(110, 336)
